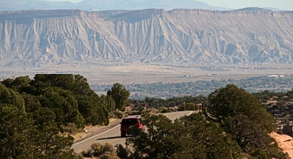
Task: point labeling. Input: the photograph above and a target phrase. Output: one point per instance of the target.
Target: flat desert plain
(129, 73)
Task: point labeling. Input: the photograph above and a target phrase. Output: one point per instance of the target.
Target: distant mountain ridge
(101, 5)
(40, 38)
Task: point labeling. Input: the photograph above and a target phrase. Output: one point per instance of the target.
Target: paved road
(112, 135)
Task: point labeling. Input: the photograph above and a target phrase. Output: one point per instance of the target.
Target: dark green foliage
(120, 95)
(250, 135)
(237, 123)
(109, 156)
(231, 101)
(188, 137)
(35, 112)
(10, 97)
(108, 102)
(242, 116)
(117, 114)
(20, 84)
(65, 81)
(189, 106)
(71, 98)
(81, 86)
(24, 135)
(121, 151)
(90, 105)
(93, 110)
(15, 134)
(164, 110)
(32, 103)
(64, 105)
(238, 126)
(51, 144)
(68, 96)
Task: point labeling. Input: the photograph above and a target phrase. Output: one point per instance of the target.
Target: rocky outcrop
(55, 37)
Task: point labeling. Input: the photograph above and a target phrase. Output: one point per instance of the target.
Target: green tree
(188, 137)
(108, 102)
(231, 101)
(93, 110)
(15, 134)
(65, 81)
(19, 84)
(50, 143)
(10, 97)
(90, 104)
(24, 135)
(242, 116)
(188, 106)
(120, 95)
(64, 104)
(32, 105)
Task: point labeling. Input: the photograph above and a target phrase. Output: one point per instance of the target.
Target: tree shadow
(110, 137)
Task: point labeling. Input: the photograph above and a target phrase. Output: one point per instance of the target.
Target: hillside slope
(55, 37)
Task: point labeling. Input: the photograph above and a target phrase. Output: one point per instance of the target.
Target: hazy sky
(236, 4)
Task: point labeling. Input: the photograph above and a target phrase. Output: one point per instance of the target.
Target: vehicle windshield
(129, 121)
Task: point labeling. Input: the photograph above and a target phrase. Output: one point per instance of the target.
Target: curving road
(112, 135)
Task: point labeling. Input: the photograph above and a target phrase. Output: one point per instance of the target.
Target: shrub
(117, 114)
(164, 110)
(121, 151)
(87, 153)
(97, 149)
(108, 148)
(70, 128)
(109, 156)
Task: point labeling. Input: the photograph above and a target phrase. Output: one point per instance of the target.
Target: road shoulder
(91, 131)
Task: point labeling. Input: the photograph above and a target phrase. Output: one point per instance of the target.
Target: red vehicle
(128, 122)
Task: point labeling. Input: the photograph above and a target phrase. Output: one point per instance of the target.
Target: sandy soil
(285, 142)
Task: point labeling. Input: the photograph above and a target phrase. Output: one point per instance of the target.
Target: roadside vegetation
(40, 115)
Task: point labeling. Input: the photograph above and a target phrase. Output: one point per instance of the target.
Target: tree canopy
(188, 137)
(233, 123)
(120, 95)
(34, 112)
(241, 115)
(24, 135)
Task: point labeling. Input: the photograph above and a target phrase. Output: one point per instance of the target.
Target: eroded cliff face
(36, 38)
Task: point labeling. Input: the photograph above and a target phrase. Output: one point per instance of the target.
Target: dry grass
(92, 130)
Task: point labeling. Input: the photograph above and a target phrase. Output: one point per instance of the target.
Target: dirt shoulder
(90, 131)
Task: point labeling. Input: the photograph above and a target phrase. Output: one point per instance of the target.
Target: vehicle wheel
(123, 135)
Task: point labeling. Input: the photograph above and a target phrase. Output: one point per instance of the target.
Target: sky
(237, 4)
